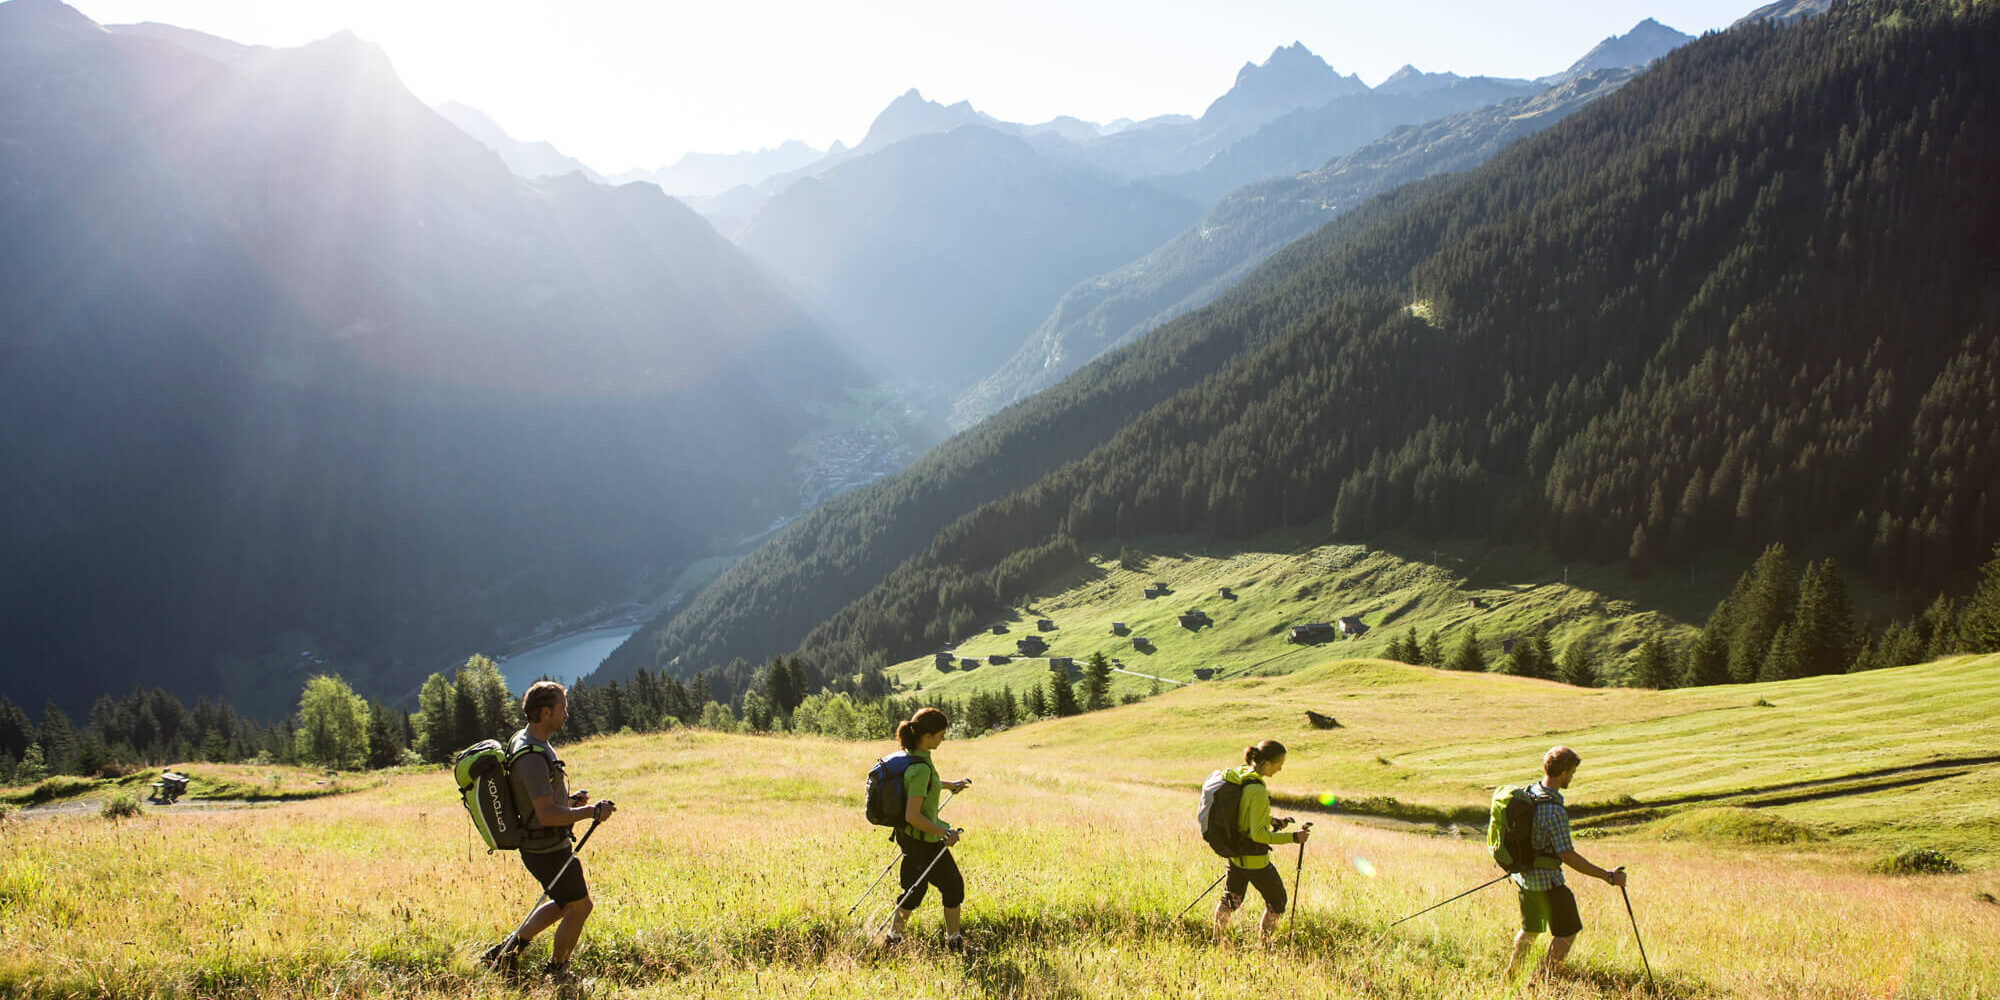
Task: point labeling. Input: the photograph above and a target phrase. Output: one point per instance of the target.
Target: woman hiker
(924, 840)
(1256, 833)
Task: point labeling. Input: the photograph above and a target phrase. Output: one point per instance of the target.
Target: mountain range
(1741, 299)
(297, 374)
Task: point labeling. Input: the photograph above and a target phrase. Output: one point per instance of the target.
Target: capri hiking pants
(1269, 881)
(917, 856)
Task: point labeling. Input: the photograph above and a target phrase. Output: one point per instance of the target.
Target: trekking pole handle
(586, 837)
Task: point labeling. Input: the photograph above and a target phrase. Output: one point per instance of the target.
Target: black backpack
(887, 800)
(1221, 802)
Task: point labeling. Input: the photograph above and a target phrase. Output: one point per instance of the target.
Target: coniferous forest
(1746, 300)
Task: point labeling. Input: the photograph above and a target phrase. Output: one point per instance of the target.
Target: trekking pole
(560, 872)
(891, 864)
(1427, 909)
(1298, 874)
(1204, 895)
(1650, 988)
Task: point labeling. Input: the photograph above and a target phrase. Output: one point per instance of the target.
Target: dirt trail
(91, 807)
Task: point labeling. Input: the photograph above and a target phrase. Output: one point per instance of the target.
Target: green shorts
(1553, 911)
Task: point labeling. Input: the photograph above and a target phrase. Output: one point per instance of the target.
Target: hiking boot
(505, 957)
(892, 939)
(558, 973)
(958, 945)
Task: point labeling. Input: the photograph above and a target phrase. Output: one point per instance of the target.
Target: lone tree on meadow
(333, 725)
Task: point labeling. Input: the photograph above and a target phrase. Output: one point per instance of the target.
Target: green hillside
(734, 859)
(1521, 591)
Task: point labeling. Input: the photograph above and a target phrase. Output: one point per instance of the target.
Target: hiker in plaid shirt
(1546, 903)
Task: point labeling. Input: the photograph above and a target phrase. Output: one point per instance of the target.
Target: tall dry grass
(733, 859)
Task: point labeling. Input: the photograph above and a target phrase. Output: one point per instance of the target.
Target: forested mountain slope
(290, 364)
(1747, 298)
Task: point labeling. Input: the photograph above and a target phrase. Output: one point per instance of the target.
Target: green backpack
(481, 770)
(1510, 830)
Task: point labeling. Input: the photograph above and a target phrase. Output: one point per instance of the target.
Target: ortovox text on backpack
(1221, 804)
(481, 770)
(887, 800)
(1510, 830)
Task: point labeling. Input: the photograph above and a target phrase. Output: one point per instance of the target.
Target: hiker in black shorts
(1256, 828)
(1546, 903)
(923, 838)
(552, 809)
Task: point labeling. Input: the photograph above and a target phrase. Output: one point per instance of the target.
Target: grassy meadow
(734, 859)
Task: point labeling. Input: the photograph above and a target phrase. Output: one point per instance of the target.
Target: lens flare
(1328, 800)
(1364, 866)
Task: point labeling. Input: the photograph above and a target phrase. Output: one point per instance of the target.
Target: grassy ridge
(1391, 587)
(734, 859)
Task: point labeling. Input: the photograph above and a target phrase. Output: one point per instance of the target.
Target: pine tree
(1654, 666)
(385, 739)
(1579, 669)
(1823, 626)
(17, 731)
(1433, 651)
(1709, 657)
(1940, 627)
(58, 739)
(1035, 702)
(1979, 623)
(1520, 662)
(32, 767)
(1765, 599)
(1785, 660)
(1062, 694)
(1096, 682)
(1466, 656)
(437, 720)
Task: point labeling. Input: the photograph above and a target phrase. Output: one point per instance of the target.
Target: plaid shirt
(1551, 837)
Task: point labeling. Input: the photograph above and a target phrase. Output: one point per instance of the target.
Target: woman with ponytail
(923, 838)
(1255, 835)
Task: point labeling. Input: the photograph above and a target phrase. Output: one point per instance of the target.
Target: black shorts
(919, 855)
(1269, 881)
(1554, 911)
(544, 867)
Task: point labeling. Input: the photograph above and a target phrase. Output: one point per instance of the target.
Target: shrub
(121, 806)
(1918, 861)
(57, 787)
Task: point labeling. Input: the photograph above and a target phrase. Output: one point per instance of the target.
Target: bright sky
(636, 83)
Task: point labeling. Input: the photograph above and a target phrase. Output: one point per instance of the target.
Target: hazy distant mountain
(291, 362)
(525, 159)
(911, 115)
(908, 116)
(1309, 137)
(927, 259)
(1292, 78)
(1785, 11)
(698, 175)
(1648, 40)
(1187, 272)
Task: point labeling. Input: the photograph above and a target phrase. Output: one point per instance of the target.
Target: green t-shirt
(1253, 816)
(921, 779)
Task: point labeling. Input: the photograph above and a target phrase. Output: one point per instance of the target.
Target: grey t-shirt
(533, 776)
